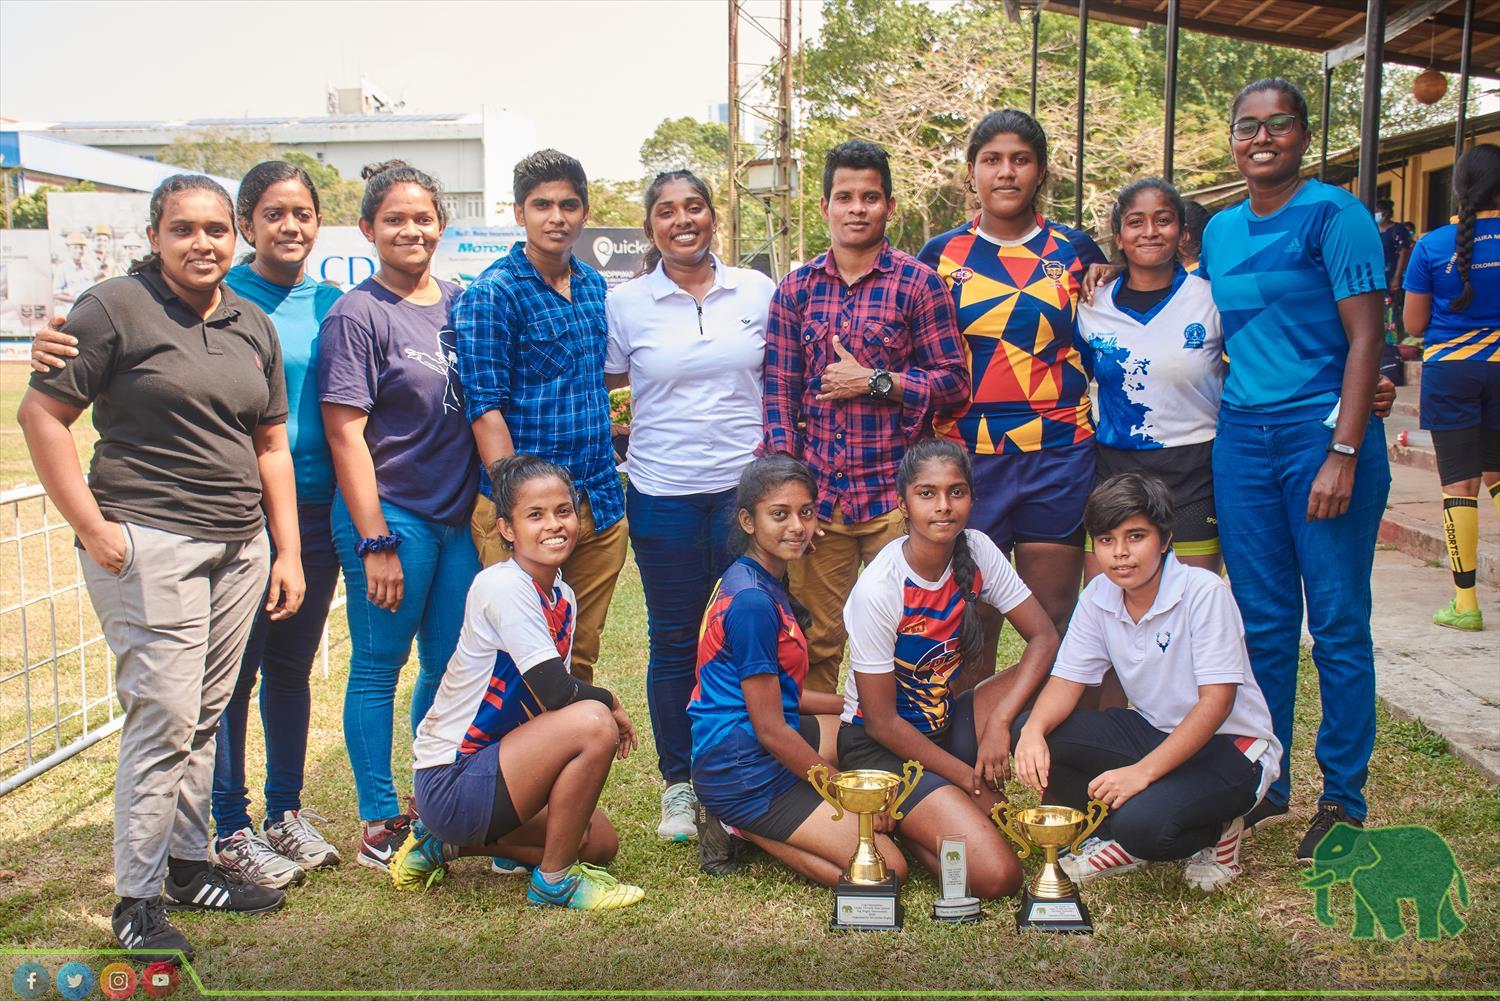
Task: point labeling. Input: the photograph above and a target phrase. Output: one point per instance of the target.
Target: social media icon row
(75, 981)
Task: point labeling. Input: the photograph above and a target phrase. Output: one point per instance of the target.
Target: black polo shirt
(175, 399)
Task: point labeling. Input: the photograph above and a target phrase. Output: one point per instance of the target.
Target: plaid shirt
(897, 317)
(537, 358)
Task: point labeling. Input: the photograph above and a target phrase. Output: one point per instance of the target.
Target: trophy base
(867, 906)
(1063, 914)
(957, 910)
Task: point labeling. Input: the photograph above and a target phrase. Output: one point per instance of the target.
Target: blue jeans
(682, 548)
(282, 654)
(1274, 555)
(438, 563)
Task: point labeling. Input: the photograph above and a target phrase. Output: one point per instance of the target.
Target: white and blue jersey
(1160, 373)
(1277, 280)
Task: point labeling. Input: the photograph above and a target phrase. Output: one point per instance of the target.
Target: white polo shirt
(1191, 636)
(695, 377)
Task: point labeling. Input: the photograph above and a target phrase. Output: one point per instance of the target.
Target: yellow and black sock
(1461, 532)
(1494, 489)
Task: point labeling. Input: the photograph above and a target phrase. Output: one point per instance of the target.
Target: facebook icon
(30, 980)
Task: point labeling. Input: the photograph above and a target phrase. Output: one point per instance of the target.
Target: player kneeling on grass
(756, 731)
(1181, 768)
(513, 754)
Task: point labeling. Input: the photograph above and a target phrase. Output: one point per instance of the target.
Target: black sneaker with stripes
(213, 889)
(144, 928)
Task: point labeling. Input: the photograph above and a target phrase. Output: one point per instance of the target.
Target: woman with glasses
(1299, 463)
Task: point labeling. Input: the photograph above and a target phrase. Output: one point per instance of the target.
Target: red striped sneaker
(1099, 858)
(1217, 865)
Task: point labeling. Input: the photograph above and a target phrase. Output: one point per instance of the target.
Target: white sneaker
(247, 857)
(1098, 858)
(295, 837)
(1217, 865)
(679, 812)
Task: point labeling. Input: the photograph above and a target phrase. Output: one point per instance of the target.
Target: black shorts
(1188, 472)
(857, 749)
(787, 811)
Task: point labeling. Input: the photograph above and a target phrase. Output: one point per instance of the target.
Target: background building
(470, 155)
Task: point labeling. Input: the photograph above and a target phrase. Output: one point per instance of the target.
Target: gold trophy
(1051, 901)
(868, 896)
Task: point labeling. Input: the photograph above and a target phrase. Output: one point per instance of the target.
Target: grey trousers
(177, 618)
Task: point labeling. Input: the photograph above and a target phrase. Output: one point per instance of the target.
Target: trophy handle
(817, 777)
(911, 774)
(1003, 814)
(1096, 811)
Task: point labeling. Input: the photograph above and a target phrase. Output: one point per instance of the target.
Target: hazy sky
(596, 77)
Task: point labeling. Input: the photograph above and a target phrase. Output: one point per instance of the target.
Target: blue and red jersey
(748, 629)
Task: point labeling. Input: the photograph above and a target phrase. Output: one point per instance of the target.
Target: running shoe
(213, 889)
(1265, 814)
(1218, 864)
(245, 855)
(1328, 814)
(503, 866)
(144, 928)
(295, 837)
(418, 863)
(679, 806)
(380, 843)
(585, 888)
(1471, 620)
(718, 850)
(1097, 858)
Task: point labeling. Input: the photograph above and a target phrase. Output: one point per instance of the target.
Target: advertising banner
(25, 289)
(95, 235)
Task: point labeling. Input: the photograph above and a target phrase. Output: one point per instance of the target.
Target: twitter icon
(75, 981)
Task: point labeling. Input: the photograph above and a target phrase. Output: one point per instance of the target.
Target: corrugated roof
(1431, 36)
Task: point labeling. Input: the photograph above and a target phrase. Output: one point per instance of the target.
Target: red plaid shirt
(897, 317)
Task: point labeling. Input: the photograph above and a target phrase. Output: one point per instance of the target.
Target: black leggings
(1466, 453)
(1171, 818)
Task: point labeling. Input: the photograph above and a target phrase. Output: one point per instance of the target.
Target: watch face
(880, 383)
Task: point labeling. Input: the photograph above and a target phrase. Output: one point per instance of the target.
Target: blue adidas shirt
(1474, 333)
(1277, 281)
(297, 311)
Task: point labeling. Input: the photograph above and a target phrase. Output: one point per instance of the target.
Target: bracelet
(379, 544)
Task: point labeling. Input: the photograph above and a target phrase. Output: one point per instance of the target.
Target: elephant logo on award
(1384, 866)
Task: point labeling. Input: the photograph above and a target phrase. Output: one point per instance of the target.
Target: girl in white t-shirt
(1159, 367)
(512, 755)
(1196, 751)
(914, 625)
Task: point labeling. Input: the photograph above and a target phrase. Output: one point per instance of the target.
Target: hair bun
(372, 169)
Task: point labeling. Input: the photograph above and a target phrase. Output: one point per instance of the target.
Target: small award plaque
(955, 904)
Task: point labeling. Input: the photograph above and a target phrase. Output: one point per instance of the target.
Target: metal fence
(57, 675)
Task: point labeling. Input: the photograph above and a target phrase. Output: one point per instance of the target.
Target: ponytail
(1476, 186)
(970, 629)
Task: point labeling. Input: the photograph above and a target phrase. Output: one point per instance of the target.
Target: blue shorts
(1460, 394)
(462, 802)
(1033, 496)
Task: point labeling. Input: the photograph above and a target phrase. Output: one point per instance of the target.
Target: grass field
(758, 931)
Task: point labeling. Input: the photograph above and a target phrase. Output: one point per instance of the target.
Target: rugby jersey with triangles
(1017, 309)
(511, 624)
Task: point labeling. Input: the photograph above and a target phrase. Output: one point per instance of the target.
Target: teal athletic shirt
(296, 311)
(1277, 281)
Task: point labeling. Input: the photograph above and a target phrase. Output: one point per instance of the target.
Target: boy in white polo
(1181, 767)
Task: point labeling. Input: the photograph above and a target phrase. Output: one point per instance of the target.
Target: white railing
(57, 675)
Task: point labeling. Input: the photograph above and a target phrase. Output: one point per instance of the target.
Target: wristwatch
(880, 384)
(1339, 448)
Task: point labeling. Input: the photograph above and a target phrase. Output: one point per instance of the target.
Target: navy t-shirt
(396, 361)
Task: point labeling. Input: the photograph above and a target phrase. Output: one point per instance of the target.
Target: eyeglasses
(1277, 125)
